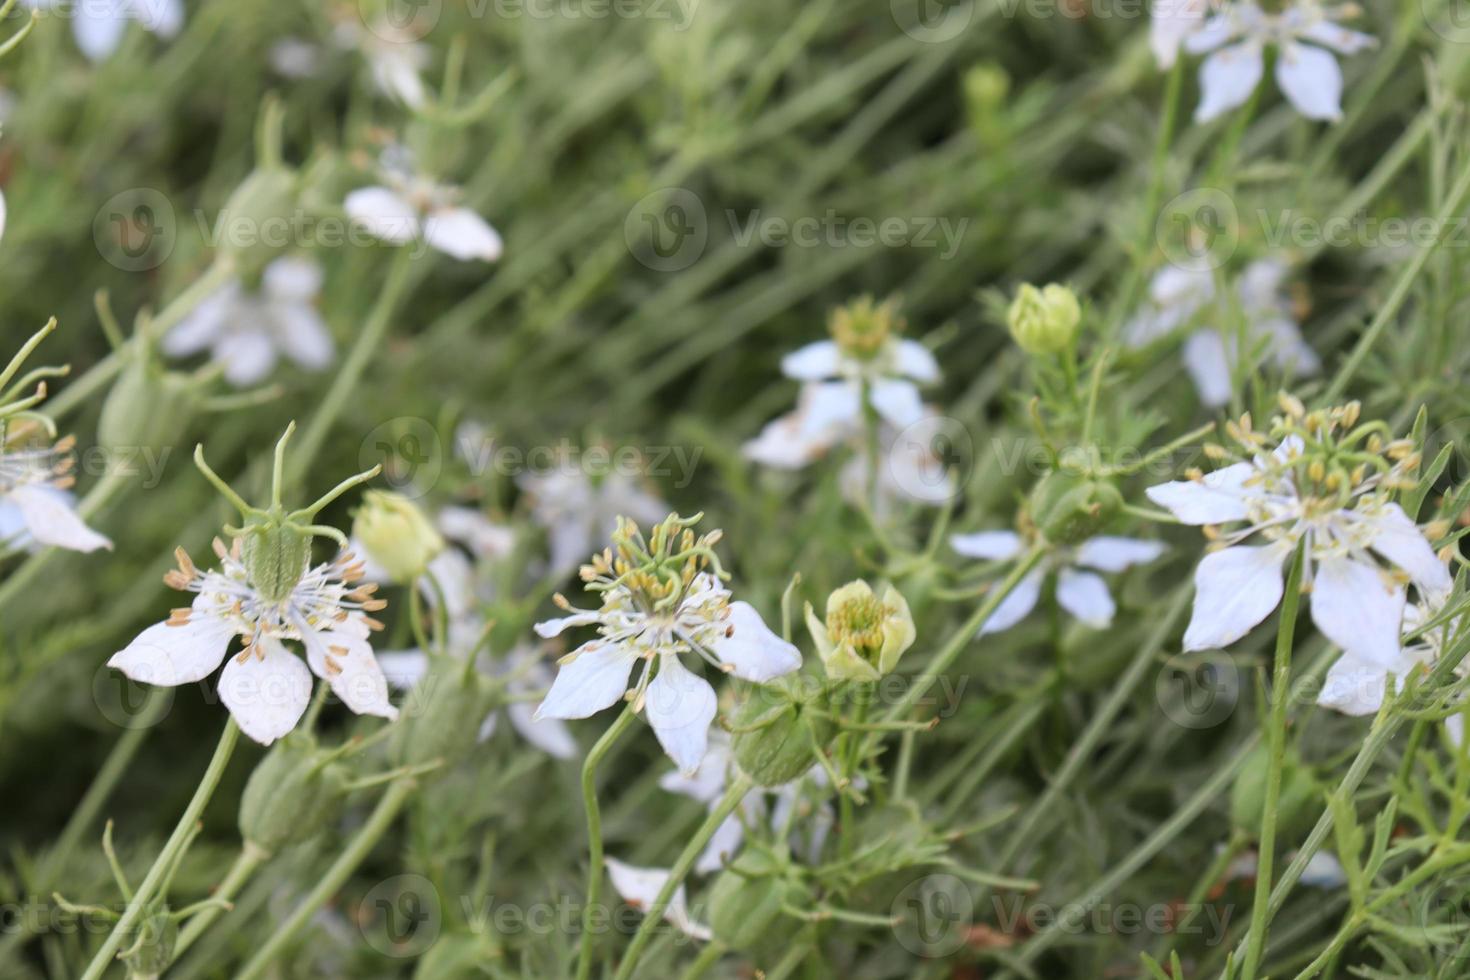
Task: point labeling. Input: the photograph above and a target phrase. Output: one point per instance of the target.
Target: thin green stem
(167, 858)
(594, 835)
(347, 862)
(246, 863)
(734, 793)
(1276, 741)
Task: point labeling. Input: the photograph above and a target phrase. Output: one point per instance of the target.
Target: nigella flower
(1180, 298)
(578, 512)
(99, 25)
(1322, 482)
(1081, 592)
(865, 363)
(408, 207)
(36, 507)
(640, 888)
(394, 54)
(246, 331)
(661, 599)
(1235, 38)
(265, 687)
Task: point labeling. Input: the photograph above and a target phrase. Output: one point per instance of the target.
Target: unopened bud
(1044, 321)
(395, 534)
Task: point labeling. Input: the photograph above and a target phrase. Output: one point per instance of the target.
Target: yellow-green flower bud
(1044, 321)
(863, 635)
(395, 534)
(776, 735)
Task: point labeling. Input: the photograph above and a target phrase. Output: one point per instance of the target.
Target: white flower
(656, 605)
(707, 785)
(640, 888)
(35, 507)
(1082, 593)
(394, 54)
(890, 376)
(245, 332)
(99, 25)
(1309, 76)
(1173, 21)
(578, 513)
(1287, 496)
(294, 58)
(1323, 869)
(1180, 297)
(409, 207)
(265, 687)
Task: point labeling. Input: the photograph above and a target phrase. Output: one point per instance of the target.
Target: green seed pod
(442, 716)
(151, 944)
(147, 407)
(745, 904)
(775, 730)
(257, 220)
(276, 556)
(1297, 806)
(1070, 507)
(292, 794)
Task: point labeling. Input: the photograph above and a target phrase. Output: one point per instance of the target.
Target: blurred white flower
(246, 332)
(578, 513)
(1235, 38)
(265, 687)
(889, 374)
(640, 887)
(35, 505)
(1283, 496)
(657, 605)
(407, 207)
(292, 57)
(1180, 297)
(395, 55)
(1082, 593)
(99, 25)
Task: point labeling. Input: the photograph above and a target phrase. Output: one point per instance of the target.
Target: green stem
(250, 858)
(594, 835)
(347, 862)
(734, 793)
(707, 958)
(169, 856)
(1276, 740)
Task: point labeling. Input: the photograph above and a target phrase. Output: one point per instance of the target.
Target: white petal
(346, 662)
(1454, 725)
(831, 408)
(1339, 39)
(202, 325)
(989, 545)
(640, 888)
(247, 355)
(749, 645)
(1234, 590)
(163, 17)
(266, 689)
(302, 334)
(1215, 31)
(1227, 79)
(814, 362)
(167, 656)
(403, 668)
(462, 234)
(707, 783)
(897, 401)
(399, 78)
(556, 627)
(1353, 686)
(1357, 609)
(1311, 80)
(383, 214)
(1085, 595)
(784, 445)
(294, 278)
(1399, 539)
(1217, 499)
(1209, 367)
(1107, 553)
(52, 520)
(913, 360)
(680, 707)
(1014, 607)
(1173, 21)
(99, 27)
(1260, 285)
(596, 678)
(1323, 870)
(471, 528)
(550, 735)
(723, 844)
